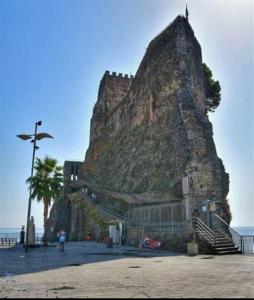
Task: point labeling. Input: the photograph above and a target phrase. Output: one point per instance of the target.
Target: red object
(88, 237)
(153, 244)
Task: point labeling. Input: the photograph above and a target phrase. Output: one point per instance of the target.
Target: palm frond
(47, 181)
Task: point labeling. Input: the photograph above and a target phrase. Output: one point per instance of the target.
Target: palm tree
(46, 185)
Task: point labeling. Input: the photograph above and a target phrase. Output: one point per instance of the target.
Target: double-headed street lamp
(36, 136)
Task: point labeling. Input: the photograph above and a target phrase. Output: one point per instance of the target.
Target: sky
(54, 52)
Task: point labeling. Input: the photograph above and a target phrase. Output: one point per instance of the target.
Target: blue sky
(54, 52)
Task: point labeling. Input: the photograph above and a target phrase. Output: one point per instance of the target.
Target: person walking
(61, 236)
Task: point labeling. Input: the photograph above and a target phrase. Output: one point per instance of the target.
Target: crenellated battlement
(112, 90)
(120, 75)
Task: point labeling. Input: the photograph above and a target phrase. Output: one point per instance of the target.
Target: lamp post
(36, 136)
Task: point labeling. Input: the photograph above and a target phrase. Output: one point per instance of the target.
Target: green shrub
(212, 89)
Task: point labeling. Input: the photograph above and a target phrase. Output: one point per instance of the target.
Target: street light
(36, 136)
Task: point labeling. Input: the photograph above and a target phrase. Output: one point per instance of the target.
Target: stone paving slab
(90, 270)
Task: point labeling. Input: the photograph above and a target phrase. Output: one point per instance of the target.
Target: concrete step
(224, 239)
(225, 252)
(200, 231)
(224, 245)
(220, 235)
(221, 239)
(226, 248)
(222, 242)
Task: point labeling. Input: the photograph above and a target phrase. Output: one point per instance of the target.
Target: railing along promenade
(8, 241)
(13, 238)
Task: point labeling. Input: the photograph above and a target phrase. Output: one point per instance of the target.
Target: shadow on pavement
(15, 261)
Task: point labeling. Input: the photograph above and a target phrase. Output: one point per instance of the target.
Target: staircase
(220, 238)
(109, 211)
(223, 244)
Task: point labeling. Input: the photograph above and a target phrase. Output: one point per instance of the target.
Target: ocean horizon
(15, 231)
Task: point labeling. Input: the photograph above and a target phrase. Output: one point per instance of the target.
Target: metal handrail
(204, 225)
(117, 212)
(229, 232)
(205, 232)
(206, 229)
(114, 208)
(226, 224)
(110, 212)
(14, 238)
(7, 241)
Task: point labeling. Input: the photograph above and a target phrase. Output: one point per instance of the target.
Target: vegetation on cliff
(92, 221)
(212, 89)
(46, 185)
(228, 214)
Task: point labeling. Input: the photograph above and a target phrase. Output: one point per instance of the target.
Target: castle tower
(112, 90)
(159, 131)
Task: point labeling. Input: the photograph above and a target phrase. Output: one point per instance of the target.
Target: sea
(15, 232)
(244, 230)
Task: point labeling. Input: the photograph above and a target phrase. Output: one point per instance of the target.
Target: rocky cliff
(148, 132)
(155, 129)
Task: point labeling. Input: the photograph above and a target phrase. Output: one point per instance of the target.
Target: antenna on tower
(186, 13)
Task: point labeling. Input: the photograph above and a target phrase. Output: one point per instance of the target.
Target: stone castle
(151, 160)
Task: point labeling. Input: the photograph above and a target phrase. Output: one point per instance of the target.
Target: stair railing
(111, 210)
(202, 228)
(219, 223)
(114, 212)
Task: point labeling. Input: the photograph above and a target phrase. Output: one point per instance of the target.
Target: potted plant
(192, 248)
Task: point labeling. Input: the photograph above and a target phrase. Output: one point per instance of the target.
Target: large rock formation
(147, 133)
(150, 131)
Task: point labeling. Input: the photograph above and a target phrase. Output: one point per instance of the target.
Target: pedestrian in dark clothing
(22, 235)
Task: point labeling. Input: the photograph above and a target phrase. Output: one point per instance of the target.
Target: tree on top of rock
(212, 89)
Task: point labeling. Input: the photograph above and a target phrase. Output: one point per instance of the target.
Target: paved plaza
(90, 269)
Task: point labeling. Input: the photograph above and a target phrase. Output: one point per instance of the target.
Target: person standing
(22, 235)
(61, 236)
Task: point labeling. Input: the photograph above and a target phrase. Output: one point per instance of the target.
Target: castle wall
(113, 88)
(148, 132)
(160, 132)
(61, 211)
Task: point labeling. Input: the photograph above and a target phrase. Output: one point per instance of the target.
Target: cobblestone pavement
(89, 269)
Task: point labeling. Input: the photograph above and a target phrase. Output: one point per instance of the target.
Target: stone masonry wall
(150, 131)
(160, 132)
